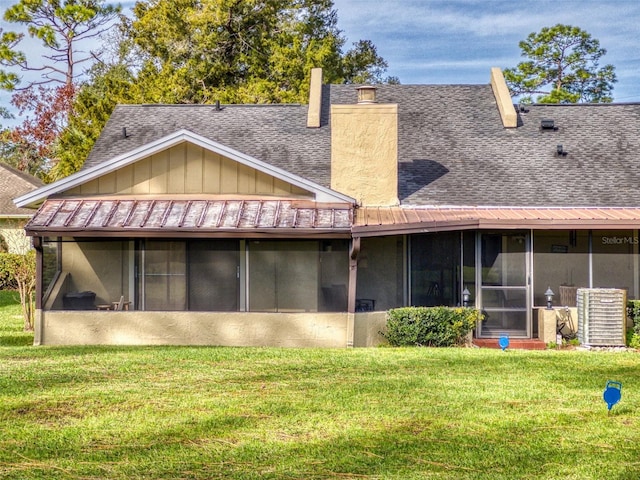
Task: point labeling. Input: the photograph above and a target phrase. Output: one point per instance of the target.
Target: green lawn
(380, 413)
(11, 321)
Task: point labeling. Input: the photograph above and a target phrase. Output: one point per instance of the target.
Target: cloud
(457, 41)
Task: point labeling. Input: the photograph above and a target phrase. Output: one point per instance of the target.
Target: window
(381, 274)
(164, 275)
(435, 269)
(279, 275)
(297, 276)
(214, 271)
(51, 264)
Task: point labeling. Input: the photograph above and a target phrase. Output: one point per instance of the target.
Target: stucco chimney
(364, 150)
(503, 99)
(315, 98)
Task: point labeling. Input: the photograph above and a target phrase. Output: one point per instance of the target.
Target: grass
(11, 321)
(247, 413)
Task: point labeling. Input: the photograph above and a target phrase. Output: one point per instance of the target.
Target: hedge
(430, 326)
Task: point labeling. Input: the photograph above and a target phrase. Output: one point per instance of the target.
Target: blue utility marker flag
(612, 393)
(503, 342)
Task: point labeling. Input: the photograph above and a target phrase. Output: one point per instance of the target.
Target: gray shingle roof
(276, 134)
(453, 149)
(14, 183)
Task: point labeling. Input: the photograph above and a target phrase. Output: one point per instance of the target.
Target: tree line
(166, 51)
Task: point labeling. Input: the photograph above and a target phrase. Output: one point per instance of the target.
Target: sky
(458, 41)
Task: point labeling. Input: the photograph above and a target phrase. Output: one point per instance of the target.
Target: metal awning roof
(251, 218)
(120, 217)
(375, 221)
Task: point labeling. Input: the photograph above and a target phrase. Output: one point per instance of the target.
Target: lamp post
(549, 295)
(466, 296)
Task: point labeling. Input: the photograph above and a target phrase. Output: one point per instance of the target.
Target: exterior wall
(186, 169)
(548, 321)
(321, 330)
(367, 329)
(194, 328)
(364, 152)
(12, 230)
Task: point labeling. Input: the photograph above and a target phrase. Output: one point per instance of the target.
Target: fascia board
(323, 194)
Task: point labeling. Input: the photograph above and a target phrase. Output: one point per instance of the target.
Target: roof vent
(547, 124)
(366, 94)
(560, 151)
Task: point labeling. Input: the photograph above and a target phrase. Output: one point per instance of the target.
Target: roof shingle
(453, 149)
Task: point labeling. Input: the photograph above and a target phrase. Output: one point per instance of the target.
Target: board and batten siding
(187, 169)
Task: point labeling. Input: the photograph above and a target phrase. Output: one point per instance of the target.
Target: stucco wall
(323, 330)
(367, 329)
(12, 231)
(548, 321)
(364, 152)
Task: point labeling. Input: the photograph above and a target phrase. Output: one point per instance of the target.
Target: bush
(430, 326)
(8, 265)
(633, 312)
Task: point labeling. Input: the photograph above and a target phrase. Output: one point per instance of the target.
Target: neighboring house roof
(14, 183)
(453, 149)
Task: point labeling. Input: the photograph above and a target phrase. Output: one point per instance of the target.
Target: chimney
(366, 94)
(315, 99)
(503, 99)
(364, 150)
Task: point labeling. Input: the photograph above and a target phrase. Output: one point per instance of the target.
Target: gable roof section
(12, 184)
(275, 134)
(454, 150)
(323, 194)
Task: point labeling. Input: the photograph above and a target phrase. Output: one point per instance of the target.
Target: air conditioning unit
(601, 316)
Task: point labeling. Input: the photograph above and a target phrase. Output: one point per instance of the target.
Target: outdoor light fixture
(466, 296)
(561, 151)
(549, 295)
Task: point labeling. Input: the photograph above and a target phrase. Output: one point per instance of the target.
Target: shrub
(430, 326)
(18, 272)
(8, 265)
(633, 312)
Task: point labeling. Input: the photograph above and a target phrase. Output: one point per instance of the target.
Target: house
(300, 225)
(14, 183)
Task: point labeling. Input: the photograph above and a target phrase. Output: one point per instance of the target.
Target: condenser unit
(601, 316)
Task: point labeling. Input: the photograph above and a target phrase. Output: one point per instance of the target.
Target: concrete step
(514, 343)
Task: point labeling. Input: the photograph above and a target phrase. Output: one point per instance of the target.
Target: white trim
(323, 194)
